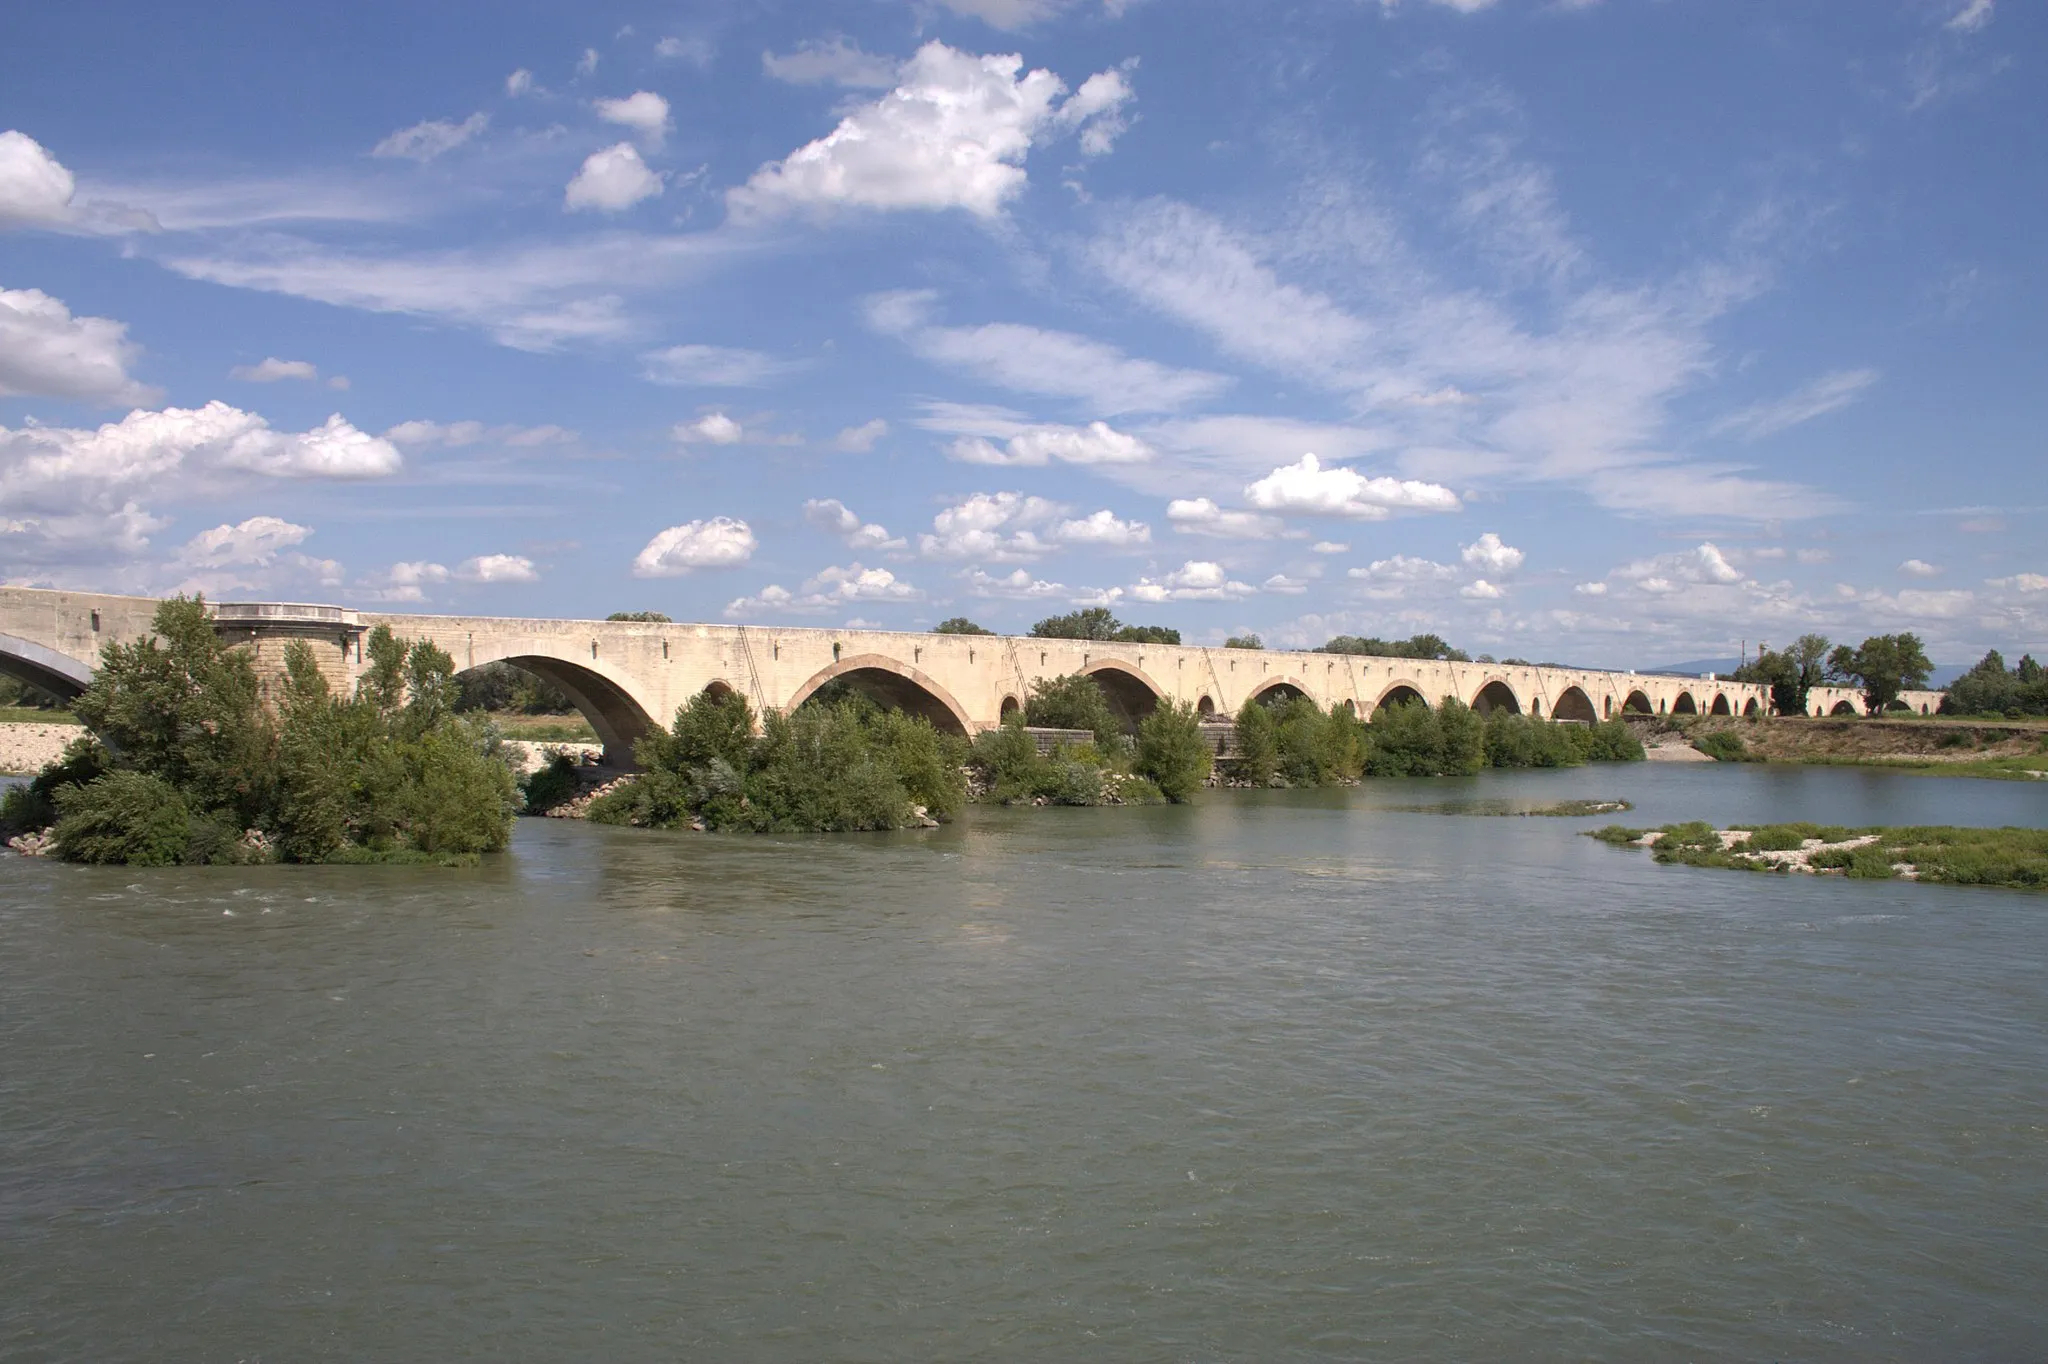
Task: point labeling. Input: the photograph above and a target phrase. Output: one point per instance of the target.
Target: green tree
(644, 617)
(1074, 701)
(1171, 751)
(1247, 641)
(1883, 666)
(959, 625)
(1098, 623)
(1258, 743)
(1790, 673)
(1415, 646)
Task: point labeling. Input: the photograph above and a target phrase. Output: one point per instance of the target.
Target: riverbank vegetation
(1293, 742)
(188, 761)
(2012, 858)
(21, 703)
(1991, 689)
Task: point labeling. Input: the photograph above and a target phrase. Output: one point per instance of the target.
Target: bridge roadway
(626, 676)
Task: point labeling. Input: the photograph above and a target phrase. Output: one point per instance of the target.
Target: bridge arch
(1011, 705)
(1844, 708)
(1574, 704)
(1720, 706)
(1685, 705)
(1400, 693)
(1496, 695)
(896, 685)
(1273, 689)
(1638, 703)
(41, 666)
(1204, 706)
(1750, 707)
(603, 696)
(1132, 695)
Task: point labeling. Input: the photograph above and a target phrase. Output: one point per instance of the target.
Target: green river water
(1279, 1076)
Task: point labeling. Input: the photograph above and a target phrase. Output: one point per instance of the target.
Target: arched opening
(1536, 709)
(1844, 708)
(1751, 708)
(893, 686)
(1400, 694)
(1923, 707)
(1720, 706)
(1010, 707)
(1685, 705)
(1607, 707)
(717, 690)
(61, 675)
(1205, 707)
(1574, 704)
(1636, 704)
(1278, 692)
(609, 707)
(1131, 694)
(1349, 707)
(1496, 695)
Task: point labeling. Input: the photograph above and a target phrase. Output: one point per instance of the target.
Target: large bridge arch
(40, 666)
(1496, 695)
(896, 685)
(603, 696)
(1573, 704)
(1132, 694)
(1638, 703)
(1685, 705)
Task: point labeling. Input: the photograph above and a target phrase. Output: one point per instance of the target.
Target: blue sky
(1615, 332)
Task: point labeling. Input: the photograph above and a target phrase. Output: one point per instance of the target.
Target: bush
(1612, 741)
(1171, 751)
(549, 786)
(123, 817)
(1725, 746)
(1075, 701)
(33, 805)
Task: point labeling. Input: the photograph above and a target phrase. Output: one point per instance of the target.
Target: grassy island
(2014, 858)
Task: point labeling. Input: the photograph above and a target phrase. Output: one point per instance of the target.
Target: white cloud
(1102, 530)
(454, 435)
(1480, 590)
(1096, 443)
(586, 65)
(1971, 17)
(256, 541)
(1306, 488)
(1097, 110)
(832, 588)
(645, 112)
(952, 134)
(1402, 576)
(1283, 585)
(1201, 516)
(1488, 553)
(714, 428)
(997, 526)
(837, 61)
(1919, 568)
(712, 367)
(1017, 585)
(497, 568)
(519, 83)
(35, 188)
(719, 542)
(859, 440)
(1034, 360)
(424, 141)
(1814, 556)
(1591, 589)
(45, 352)
(271, 369)
(1329, 547)
(833, 517)
(694, 50)
(1667, 573)
(611, 181)
(1195, 580)
(1829, 393)
(2022, 582)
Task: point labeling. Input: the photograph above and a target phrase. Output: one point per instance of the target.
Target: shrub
(1075, 701)
(1612, 741)
(1009, 758)
(122, 817)
(1724, 746)
(1258, 743)
(1171, 751)
(549, 786)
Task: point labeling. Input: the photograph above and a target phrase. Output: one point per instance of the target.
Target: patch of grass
(545, 729)
(2013, 858)
(31, 715)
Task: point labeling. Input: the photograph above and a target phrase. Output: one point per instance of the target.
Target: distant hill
(1943, 674)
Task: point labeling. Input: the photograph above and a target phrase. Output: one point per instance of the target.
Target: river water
(1279, 1076)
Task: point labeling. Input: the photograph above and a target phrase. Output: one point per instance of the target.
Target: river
(1278, 1076)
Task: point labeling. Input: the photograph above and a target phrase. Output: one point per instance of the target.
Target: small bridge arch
(1496, 695)
(1638, 703)
(1720, 706)
(1573, 704)
(1750, 707)
(1400, 693)
(42, 667)
(896, 685)
(1844, 708)
(1273, 690)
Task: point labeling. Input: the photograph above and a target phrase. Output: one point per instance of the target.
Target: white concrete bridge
(627, 676)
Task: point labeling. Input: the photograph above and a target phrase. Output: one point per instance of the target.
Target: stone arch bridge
(627, 676)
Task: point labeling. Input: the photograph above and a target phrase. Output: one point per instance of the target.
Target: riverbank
(2012, 858)
(2004, 749)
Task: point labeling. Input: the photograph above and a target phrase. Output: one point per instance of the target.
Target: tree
(1990, 689)
(1075, 701)
(1790, 673)
(1416, 646)
(959, 625)
(645, 617)
(1246, 641)
(1172, 752)
(1097, 623)
(1883, 666)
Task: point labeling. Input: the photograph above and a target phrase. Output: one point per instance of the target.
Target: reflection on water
(1286, 1075)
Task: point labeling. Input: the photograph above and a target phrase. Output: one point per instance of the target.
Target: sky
(1607, 331)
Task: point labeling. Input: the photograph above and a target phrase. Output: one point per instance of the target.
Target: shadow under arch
(1573, 704)
(1132, 695)
(42, 667)
(1279, 689)
(1750, 707)
(1400, 694)
(1010, 706)
(1844, 708)
(895, 685)
(1205, 706)
(1638, 703)
(1496, 695)
(1685, 705)
(1720, 706)
(603, 698)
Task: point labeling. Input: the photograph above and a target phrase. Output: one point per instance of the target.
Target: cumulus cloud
(713, 428)
(1201, 516)
(831, 588)
(1704, 564)
(1489, 554)
(998, 526)
(424, 141)
(1036, 360)
(519, 83)
(1195, 580)
(1307, 488)
(835, 61)
(952, 134)
(1480, 590)
(1591, 589)
(1095, 443)
(1102, 530)
(718, 542)
(1829, 393)
(1283, 585)
(698, 366)
(1329, 547)
(611, 181)
(1017, 585)
(859, 440)
(1403, 575)
(1919, 568)
(645, 112)
(2022, 582)
(257, 542)
(45, 352)
(35, 187)
(272, 369)
(834, 517)
(497, 568)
